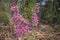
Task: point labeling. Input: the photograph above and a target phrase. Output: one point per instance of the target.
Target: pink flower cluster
(18, 21)
(22, 25)
(35, 19)
(37, 9)
(14, 6)
(19, 31)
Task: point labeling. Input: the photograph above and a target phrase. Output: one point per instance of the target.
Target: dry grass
(45, 32)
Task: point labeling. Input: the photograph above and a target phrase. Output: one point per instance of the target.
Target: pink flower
(14, 7)
(16, 17)
(22, 31)
(35, 19)
(22, 20)
(18, 31)
(26, 27)
(25, 32)
(14, 4)
(38, 9)
(17, 24)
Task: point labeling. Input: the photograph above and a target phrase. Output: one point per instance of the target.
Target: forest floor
(43, 32)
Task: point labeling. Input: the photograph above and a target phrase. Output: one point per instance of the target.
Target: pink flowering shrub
(21, 24)
(35, 19)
